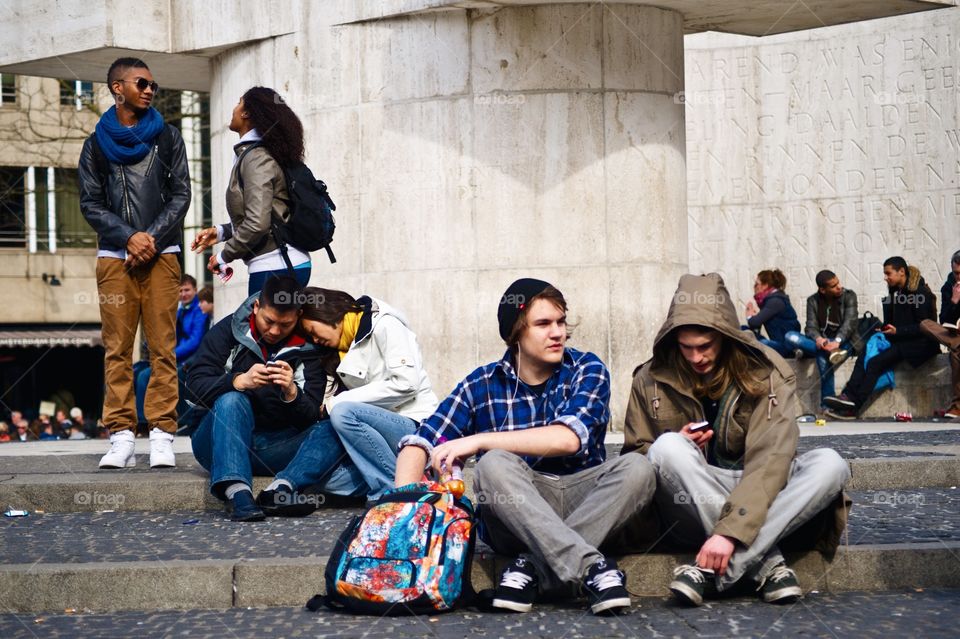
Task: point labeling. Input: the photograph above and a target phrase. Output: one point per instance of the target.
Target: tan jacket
(251, 209)
(759, 435)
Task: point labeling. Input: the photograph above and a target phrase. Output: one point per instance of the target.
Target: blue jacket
(776, 315)
(191, 327)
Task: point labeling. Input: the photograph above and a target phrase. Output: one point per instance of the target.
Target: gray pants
(559, 521)
(690, 494)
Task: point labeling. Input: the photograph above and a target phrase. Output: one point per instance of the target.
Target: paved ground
(878, 517)
(927, 614)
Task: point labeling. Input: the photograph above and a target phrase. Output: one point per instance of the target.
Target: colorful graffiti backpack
(410, 553)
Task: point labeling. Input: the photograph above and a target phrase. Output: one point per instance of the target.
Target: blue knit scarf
(128, 145)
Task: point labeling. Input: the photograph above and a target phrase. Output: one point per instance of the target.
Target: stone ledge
(918, 390)
(90, 492)
(290, 582)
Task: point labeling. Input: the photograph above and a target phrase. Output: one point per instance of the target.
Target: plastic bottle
(452, 479)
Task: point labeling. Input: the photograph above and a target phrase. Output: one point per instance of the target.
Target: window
(76, 93)
(8, 88)
(13, 231)
(72, 228)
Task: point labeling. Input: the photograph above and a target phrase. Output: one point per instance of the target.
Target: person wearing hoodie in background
(771, 310)
(715, 412)
(387, 393)
(908, 303)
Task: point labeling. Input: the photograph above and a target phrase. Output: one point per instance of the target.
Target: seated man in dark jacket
(264, 386)
(909, 301)
(949, 337)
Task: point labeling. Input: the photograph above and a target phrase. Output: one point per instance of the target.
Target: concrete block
(538, 181)
(417, 57)
(412, 221)
(894, 566)
(135, 585)
(549, 47)
(278, 582)
(642, 49)
(644, 142)
(919, 390)
(905, 472)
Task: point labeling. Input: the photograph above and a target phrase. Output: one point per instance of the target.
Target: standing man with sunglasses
(134, 192)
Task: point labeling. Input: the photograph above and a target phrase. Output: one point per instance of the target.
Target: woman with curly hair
(271, 139)
(771, 310)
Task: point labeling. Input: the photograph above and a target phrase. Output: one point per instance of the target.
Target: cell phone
(698, 426)
(273, 364)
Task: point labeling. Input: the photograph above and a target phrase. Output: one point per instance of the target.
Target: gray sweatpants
(690, 494)
(559, 521)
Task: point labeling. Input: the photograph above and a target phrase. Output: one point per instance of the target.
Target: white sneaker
(120, 454)
(161, 449)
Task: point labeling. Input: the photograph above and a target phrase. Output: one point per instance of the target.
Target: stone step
(219, 584)
(200, 559)
(79, 489)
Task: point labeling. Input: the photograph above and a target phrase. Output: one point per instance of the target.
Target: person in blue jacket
(191, 327)
(771, 310)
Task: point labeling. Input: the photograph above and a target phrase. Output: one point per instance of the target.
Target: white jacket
(384, 366)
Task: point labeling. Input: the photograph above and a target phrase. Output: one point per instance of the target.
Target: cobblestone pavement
(884, 444)
(878, 517)
(927, 614)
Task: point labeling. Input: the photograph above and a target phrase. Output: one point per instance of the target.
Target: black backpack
(311, 224)
(867, 325)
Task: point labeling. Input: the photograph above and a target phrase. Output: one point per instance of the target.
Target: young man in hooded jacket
(715, 412)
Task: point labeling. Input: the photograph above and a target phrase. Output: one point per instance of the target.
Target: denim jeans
(809, 347)
(691, 493)
(370, 436)
(558, 522)
(783, 347)
(229, 446)
(256, 281)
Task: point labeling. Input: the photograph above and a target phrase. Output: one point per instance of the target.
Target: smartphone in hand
(698, 426)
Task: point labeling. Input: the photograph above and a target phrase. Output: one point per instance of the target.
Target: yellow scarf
(351, 324)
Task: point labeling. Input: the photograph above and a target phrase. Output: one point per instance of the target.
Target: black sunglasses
(143, 83)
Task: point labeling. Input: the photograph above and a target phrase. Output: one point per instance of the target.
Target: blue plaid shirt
(493, 398)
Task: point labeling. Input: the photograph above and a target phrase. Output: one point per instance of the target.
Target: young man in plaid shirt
(536, 419)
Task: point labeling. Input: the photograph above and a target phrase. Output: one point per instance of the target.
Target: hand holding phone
(696, 427)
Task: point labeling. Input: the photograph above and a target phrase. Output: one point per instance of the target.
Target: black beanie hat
(515, 300)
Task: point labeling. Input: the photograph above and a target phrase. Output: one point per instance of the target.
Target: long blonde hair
(736, 364)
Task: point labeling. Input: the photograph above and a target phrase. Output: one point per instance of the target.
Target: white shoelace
(778, 573)
(609, 579)
(515, 579)
(692, 572)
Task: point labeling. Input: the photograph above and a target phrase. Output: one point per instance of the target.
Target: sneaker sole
(515, 606)
(788, 594)
(686, 593)
(838, 404)
(130, 464)
(607, 605)
(163, 465)
(259, 517)
(834, 415)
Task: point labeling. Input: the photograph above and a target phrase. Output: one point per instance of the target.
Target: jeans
(691, 493)
(809, 347)
(784, 348)
(863, 379)
(229, 446)
(370, 436)
(558, 522)
(301, 272)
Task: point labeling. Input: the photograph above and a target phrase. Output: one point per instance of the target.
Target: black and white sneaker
(517, 589)
(605, 587)
(780, 585)
(691, 583)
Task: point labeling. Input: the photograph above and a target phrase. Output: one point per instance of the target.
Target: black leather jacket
(146, 196)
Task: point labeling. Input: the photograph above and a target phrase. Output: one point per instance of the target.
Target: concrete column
(30, 208)
(467, 148)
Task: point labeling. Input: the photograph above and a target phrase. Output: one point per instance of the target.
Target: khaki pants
(126, 295)
(951, 340)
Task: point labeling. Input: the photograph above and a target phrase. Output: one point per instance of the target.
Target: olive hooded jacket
(756, 435)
